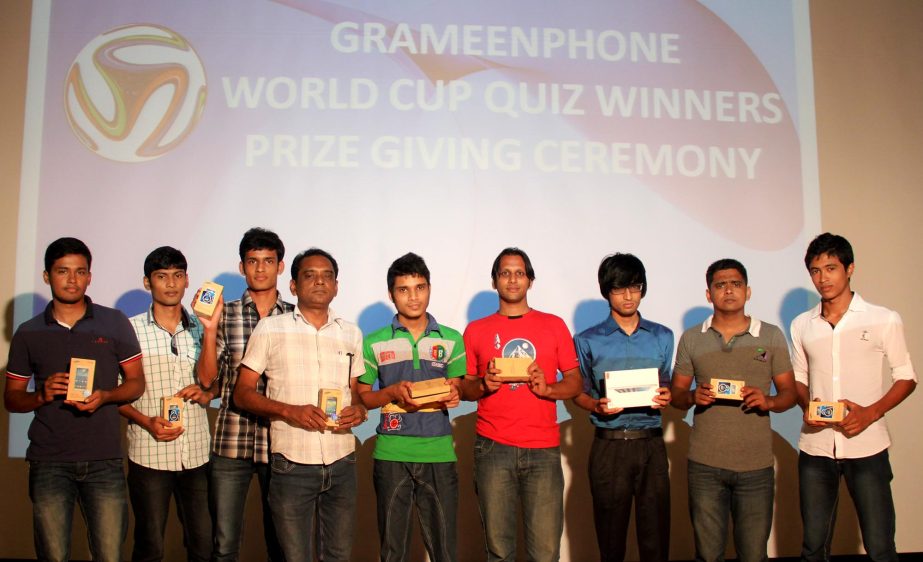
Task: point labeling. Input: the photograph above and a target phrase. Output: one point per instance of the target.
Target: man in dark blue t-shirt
(74, 446)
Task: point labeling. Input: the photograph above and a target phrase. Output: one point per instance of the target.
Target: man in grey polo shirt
(730, 450)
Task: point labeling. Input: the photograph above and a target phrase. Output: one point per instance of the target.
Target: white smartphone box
(632, 388)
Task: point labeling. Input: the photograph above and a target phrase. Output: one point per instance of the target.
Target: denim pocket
(281, 465)
(350, 458)
(482, 447)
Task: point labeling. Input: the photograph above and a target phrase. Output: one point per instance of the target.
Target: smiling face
(410, 296)
(167, 286)
(69, 278)
(316, 284)
(512, 282)
(829, 276)
(728, 292)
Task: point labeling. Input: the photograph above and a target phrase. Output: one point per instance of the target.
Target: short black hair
(831, 245)
(621, 270)
(164, 257)
(408, 264)
(261, 239)
(64, 247)
(512, 251)
(296, 263)
(722, 264)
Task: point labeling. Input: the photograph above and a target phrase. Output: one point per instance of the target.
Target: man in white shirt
(313, 463)
(167, 459)
(840, 347)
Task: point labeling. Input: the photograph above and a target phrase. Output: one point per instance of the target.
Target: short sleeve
(781, 361)
(666, 342)
(567, 354)
(357, 366)
(457, 365)
(370, 375)
(585, 361)
(684, 366)
(471, 356)
(19, 365)
(257, 355)
(127, 346)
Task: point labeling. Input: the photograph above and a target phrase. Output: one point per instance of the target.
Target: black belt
(628, 433)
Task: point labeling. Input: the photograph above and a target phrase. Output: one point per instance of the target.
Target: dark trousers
(623, 471)
(433, 489)
(150, 491)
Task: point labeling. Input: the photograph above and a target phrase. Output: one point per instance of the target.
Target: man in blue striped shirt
(628, 460)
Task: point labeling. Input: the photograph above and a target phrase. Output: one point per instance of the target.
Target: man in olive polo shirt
(730, 448)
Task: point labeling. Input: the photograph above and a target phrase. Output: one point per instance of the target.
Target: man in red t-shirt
(517, 458)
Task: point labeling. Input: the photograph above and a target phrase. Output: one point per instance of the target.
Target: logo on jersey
(496, 341)
(386, 356)
(392, 422)
(437, 352)
(519, 347)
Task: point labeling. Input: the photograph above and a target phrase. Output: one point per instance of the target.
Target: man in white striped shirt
(168, 459)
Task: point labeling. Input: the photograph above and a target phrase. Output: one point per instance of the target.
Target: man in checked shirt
(166, 459)
(241, 438)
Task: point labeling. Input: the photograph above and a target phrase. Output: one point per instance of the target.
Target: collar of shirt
(246, 301)
(857, 304)
(332, 318)
(611, 326)
(185, 322)
(753, 330)
(431, 325)
(49, 312)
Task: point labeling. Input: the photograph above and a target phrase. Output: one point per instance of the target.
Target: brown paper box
(826, 411)
(208, 298)
(513, 369)
(727, 389)
(430, 390)
(172, 410)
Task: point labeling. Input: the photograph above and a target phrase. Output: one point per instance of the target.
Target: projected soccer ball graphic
(135, 92)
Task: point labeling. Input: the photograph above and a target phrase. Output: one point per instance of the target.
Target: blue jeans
(150, 491)
(433, 488)
(715, 493)
(298, 491)
(99, 488)
(506, 477)
(229, 482)
(869, 483)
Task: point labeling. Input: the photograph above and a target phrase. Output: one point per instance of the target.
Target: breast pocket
(334, 371)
